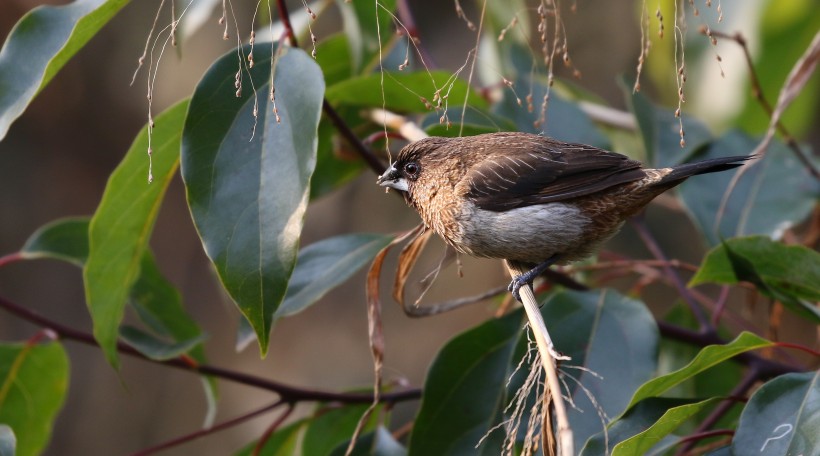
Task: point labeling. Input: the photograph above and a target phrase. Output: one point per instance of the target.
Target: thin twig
(257, 450)
(207, 431)
(640, 226)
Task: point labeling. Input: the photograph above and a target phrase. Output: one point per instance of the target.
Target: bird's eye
(412, 169)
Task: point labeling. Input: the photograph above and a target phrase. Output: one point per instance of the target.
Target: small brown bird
(529, 198)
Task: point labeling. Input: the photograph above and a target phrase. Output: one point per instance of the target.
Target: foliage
(254, 151)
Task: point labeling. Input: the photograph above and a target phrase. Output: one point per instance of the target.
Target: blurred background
(57, 157)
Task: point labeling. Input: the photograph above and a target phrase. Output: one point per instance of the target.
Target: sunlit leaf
(40, 45)
(782, 417)
(122, 225)
(33, 386)
(708, 357)
(638, 423)
(64, 239)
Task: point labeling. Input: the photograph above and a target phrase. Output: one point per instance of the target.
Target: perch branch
(549, 359)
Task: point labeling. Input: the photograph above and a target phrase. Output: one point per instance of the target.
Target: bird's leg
(529, 276)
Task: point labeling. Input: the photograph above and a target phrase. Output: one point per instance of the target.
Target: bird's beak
(392, 179)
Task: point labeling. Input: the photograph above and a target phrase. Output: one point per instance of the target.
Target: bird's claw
(515, 286)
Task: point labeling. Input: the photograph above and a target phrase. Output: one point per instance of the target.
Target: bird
(528, 198)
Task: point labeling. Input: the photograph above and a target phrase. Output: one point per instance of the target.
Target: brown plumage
(529, 198)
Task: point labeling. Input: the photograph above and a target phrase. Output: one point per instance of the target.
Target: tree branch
(287, 393)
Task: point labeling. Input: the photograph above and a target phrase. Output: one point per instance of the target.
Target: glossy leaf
(33, 385)
(640, 418)
(665, 425)
(377, 443)
(40, 45)
(247, 180)
(122, 225)
(782, 417)
(706, 358)
(616, 341)
(64, 239)
(403, 92)
(8, 441)
(464, 389)
(369, 28)
(326, 264)
(789, 274)
(775, 194)
(155, 348)
(333, 427)
(283, 442)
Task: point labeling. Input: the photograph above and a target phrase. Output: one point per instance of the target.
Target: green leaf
(283, 442)
(775, 194)
(122, 225)
(64, 239)
(247, 180)
(40, 45)
(637, 421)
(709, 356)
(403, 92)
(476, 122)
(326, 264)
(333, 57)
(155, 300)
(660, 130)
(788, 273)
(8, 442)
(465, 388)
(377, 443)
(642, 442)
(782, 417)
(369, 28)
(33, 385)
(334, 426)
(615, 339)
(332, 171)
(155, 348)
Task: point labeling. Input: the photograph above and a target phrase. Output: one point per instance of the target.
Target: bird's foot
(527, 278)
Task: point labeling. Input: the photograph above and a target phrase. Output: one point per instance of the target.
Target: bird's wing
(543, 170)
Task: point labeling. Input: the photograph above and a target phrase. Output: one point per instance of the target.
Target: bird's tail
(681, 172)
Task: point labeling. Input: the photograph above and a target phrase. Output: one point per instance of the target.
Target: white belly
(531, 234)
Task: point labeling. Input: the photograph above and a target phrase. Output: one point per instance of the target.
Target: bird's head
(415, 163)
